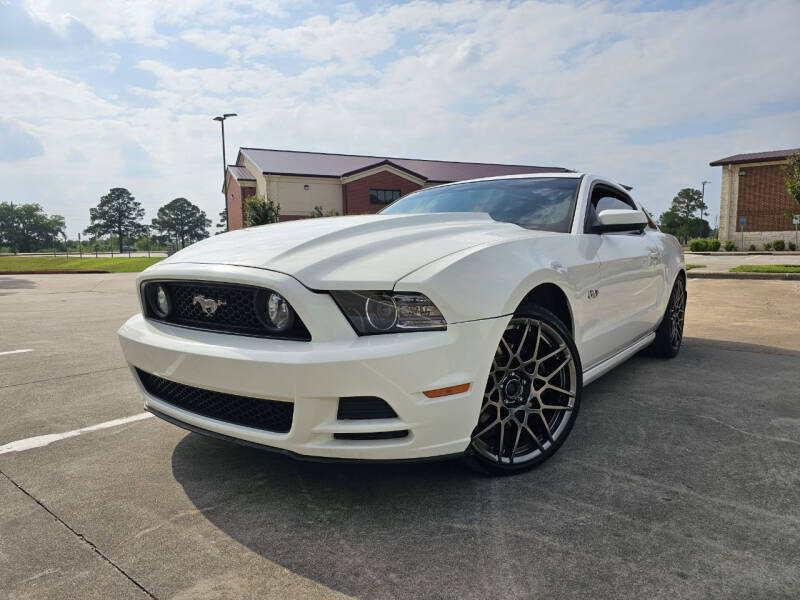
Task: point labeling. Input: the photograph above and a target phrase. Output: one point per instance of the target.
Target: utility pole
(703, 196)
(221, 119)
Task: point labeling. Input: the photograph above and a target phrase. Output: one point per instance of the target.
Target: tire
(669, 334)
(532, 395)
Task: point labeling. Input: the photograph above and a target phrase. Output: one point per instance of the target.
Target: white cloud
(138, 20)
(38, 94)
(647, 97)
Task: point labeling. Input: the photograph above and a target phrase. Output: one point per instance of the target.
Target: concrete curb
(694, 274)
(739, 253)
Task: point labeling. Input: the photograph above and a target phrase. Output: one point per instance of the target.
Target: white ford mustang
(463, 319)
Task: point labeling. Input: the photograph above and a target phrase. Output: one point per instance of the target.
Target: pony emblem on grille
(209, 305)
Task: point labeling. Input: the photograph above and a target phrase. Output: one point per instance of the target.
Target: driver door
(630, 276)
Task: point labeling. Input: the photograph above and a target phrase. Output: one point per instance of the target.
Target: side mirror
(619, 219)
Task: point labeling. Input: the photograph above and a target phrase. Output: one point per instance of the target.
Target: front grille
(378, 435)
(238, 310)
(269, 415)
(364, 407)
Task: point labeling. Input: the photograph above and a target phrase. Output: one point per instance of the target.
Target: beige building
(755, 206)
(345, 183)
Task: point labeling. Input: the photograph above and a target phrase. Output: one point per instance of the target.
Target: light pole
(703, 196)
(221, 120)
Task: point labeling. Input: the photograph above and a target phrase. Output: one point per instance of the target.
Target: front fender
(491, 280)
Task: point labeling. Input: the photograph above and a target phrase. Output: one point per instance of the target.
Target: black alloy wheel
(669, 335)
(532, 395)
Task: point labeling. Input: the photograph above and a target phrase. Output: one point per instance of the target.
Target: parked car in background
(463, 319)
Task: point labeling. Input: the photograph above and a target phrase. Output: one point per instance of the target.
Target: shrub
(730, 246)
(792, 246)
(713, 245)
(698, 245)
(767, 246)
(259, 210)
(752, 248)
(779, 245)
(321, 212)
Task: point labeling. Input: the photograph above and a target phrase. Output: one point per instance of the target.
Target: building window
(383, 196)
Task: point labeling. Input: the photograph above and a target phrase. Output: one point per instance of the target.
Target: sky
(120, 93)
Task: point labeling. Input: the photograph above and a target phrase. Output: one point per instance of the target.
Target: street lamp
(221, 120)
(703, 196)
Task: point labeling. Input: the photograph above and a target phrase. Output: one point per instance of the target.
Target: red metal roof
(321, 164)
(755, 157)
(240, 173)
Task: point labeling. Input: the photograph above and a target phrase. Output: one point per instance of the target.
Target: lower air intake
(364, 407)
(378, 435)
(268, 415)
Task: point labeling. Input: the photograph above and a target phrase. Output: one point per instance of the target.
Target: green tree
(792, 171)
(8, 226)
(118, 212)
(697, 228)
(26, 227)
(222, 226)
(182, 221)
(320, 212)
(670, 222)
(687, 202)
(259, 210)
(680, 219)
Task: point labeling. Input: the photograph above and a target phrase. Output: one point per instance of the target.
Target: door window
(604, 198)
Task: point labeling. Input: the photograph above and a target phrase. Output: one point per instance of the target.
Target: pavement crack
(81, 537)
(172, 519)
(681, 489)
(13, 385)
(760, 436)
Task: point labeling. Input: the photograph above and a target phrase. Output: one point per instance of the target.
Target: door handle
(655, 256)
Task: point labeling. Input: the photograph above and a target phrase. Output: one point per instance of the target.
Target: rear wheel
(669, 334)
(532, 395)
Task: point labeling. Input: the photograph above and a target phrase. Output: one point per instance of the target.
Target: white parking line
(16, 351)
(45, 440)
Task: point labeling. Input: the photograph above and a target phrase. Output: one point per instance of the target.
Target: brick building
(345, 183)
(753, 190)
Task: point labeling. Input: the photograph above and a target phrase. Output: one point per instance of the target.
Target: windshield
(545, 203)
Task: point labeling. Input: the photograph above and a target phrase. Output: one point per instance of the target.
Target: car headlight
(389, 312)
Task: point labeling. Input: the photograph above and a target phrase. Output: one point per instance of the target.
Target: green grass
(690, 267)
(62, 263)
(766, 269)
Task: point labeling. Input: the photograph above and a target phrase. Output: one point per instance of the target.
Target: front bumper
(314, 375)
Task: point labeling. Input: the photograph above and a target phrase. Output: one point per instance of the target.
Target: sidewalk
(709, 274)
(717, 265)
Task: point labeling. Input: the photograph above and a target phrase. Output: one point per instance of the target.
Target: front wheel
(532, 395)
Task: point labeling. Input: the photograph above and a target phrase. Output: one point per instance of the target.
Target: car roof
(590, 178)
(519, 176)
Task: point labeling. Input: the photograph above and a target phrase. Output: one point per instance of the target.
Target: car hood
(352, 252)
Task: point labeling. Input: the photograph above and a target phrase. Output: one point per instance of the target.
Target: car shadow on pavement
(365, 530)
(716, 345)
(653, 490)
(15, 283)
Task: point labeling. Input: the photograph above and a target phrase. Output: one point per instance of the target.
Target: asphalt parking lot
(681, 478)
